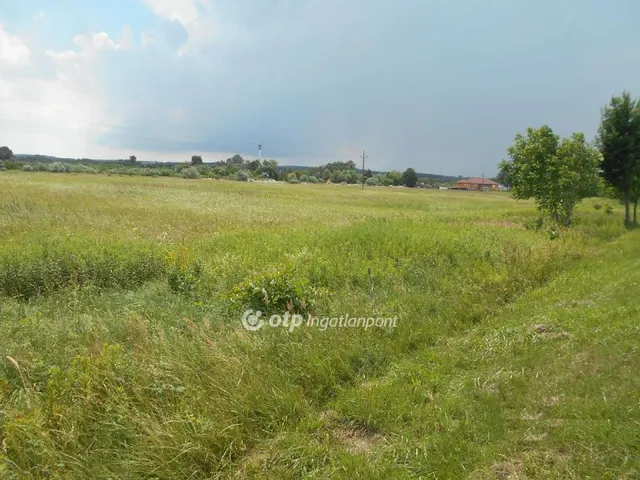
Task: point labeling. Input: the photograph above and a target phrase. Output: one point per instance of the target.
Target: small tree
(191, 173)
(619, 142)
(5, 153)
(196, 160)
(558, 175)
(410, 178)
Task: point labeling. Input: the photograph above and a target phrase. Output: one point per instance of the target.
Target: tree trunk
(635, 211)
(627, 210)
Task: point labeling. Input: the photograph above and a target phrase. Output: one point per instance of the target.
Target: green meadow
(123, 354)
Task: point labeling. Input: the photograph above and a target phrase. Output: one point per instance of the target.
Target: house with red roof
(480, 184)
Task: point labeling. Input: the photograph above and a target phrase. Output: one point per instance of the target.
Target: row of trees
(559, 173)
(234, 168)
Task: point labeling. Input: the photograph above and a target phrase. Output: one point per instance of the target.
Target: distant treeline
(233, 168)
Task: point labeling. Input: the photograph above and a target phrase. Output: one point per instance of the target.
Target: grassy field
(123, 355)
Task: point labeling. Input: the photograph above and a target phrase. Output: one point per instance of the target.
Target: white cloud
(62, 56)
(41, 15)
(91, 44)
(13, 51)
(198, 18)
(184, 11)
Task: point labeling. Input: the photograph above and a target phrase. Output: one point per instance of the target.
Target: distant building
(480, 184)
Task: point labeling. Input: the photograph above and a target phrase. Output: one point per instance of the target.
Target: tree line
(558, 173)
(233, 168)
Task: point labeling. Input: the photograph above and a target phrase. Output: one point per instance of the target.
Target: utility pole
(364, 157)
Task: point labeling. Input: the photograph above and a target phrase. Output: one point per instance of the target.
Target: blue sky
(437, 85)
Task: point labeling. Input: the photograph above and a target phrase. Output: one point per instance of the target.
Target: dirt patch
(549, 332)
(509, 470)
(255, 461)
(357, 440)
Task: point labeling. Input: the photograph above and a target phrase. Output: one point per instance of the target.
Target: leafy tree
(236, 160)
(503, 178)
(133, 159)
(304, 178)
(619, 142)
(5, 153)
(334, 166)
(242, 176)
(196, 160)
(410, 178)
(270, 167)
(558, 175)
(395, 177)
(292, 178)
(253, 165)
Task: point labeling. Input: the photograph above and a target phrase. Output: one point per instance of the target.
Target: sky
(438, 85)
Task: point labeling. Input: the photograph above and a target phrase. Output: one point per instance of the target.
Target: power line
(364, 157)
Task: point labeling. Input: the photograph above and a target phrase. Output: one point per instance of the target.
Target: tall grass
(129, 359)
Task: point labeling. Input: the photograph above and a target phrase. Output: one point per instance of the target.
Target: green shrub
(292, 178)
(27, 168)
(242, 176)
(304, 178)
(59, 167)
(80, 168)
(276, 291)
(312, 179)
(191, 173)
(185, 272)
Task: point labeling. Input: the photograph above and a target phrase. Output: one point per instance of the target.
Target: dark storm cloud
(440, 86)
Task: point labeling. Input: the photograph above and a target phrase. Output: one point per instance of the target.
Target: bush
(27, 168)
(242, 176)
(312, 179)
(304, 178)
(190, 173)
(274, 292)
(372, 181)
(80, 168)
(292, 178)
(59, 167)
